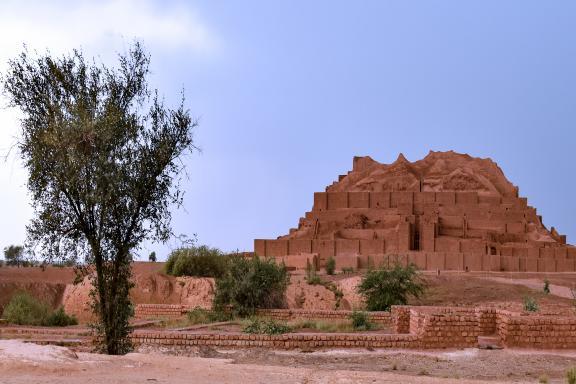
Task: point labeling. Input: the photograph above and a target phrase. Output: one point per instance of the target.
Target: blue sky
(287, 92)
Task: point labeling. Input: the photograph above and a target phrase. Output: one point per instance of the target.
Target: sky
(287, 92)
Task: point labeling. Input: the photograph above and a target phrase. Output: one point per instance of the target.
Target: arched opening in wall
(493, 250)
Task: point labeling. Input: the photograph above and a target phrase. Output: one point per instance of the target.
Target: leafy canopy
(383, 288)
(102, 153)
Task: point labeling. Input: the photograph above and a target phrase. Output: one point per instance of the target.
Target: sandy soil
(29, 363)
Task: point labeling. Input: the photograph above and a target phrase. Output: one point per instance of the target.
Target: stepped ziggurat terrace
(448, 211)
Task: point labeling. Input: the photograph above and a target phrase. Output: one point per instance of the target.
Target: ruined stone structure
(448, 211)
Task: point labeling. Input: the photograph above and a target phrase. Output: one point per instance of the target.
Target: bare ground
(28, 363)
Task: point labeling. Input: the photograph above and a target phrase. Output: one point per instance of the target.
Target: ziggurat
(448, 211)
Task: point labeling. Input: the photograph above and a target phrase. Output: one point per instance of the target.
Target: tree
(383, 288)
(152, 257)
(14, 255)
(103, 157)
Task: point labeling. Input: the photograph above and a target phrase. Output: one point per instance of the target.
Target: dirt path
(28, 363)
(536, 284)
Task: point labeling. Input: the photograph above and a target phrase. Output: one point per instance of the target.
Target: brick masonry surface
(413, 327)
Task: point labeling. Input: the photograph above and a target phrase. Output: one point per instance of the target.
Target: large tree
(103, 156)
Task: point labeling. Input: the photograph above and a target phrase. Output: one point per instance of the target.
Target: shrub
(360, 321)
(198, 316)
(23, 309)
(530, 304)
(546, 288)
(330, 266)
(268, 327)
(249, 284)
(59, 318)
(383, 288)
(571, 375)
(197, 261)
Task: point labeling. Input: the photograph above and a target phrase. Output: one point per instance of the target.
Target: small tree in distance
(152, 257)
(14, 255)
(103, 157)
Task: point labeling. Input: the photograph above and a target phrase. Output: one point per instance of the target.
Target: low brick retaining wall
(285, 341)
(382, 318)
(413, 327)
(160, 310)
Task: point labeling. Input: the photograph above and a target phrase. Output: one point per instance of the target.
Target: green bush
(268, 327)
(530, 304)
(200, 315)
(59, 318)
(383, 288)
(200, 261)
(23, 309)
(250, 284)
(571, 376)
(330, 266)
(360, 321)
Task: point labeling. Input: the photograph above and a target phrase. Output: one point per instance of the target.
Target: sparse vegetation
(530, 304)
(249, 284)
(571, 375)
(543, 379)
(347, 270)
(360, 321)
(382, 288)
(269, 327)
(312, 277)
(330, 265)
(200, 315)
(200, 261)
(152, 257)
(23, 309)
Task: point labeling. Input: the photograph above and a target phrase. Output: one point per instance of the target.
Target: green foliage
(383, 288)
(14, 255)
(571, 375)
(59, 318)
(546, 288)
(360, 321)
(152, 257)
(197, 261)
(330, 266)
(530, 304)
(200, 315)
(267, 327)
(102, 153)
(23, 309)
(249, 284)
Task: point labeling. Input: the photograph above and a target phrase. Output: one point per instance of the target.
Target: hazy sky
(287, 92)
